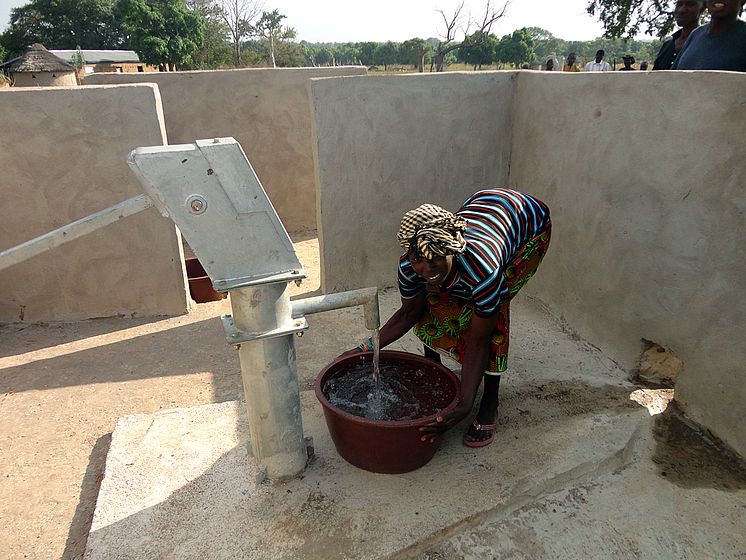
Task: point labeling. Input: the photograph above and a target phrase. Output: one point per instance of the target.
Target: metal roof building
(96, 57)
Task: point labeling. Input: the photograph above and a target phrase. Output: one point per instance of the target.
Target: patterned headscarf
(433, 231)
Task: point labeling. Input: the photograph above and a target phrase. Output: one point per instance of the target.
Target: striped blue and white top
(499, 221)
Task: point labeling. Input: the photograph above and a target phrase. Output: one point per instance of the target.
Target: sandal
(480, 428)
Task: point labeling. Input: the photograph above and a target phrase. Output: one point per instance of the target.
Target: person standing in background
(570, 65)
(629, 60)
(598, 65)
(687, 14)
(719, 45)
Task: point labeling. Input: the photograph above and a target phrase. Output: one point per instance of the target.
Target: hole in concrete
(691, 458)
(658, 366)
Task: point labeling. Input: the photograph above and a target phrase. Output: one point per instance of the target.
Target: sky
(339, 21)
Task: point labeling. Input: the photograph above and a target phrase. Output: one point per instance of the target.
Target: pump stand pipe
(270, 378)
(262, 325)
(367, 297)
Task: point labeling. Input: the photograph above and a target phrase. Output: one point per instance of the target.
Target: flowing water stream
(377, 357)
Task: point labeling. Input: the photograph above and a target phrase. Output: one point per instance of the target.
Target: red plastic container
(384, 446)
(200, 285)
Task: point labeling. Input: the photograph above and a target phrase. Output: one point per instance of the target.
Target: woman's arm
(401, 321)
(476, 358)
(472, 371)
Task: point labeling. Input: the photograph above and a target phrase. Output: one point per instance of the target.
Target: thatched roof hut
(38, 67)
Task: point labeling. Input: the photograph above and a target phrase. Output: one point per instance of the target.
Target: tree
(77, 60)
(410, 51)
(628, 17)
(546, 44)
(481, 51)
(163, 32)
(323, 56)
(346, 54)
(270, 28)
(367, 50)
(290, 54)
(216, 50)
(516, 48)
(253, 54)
(64, 24)
(453, 25)
(385, 54)
(238, 16)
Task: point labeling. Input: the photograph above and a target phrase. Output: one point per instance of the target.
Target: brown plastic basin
(383, 446)
(200, 285)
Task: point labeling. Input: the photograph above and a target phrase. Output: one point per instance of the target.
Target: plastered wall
(644, 173)
(39, 79)
(387, 144)
(646, 177)
(63, 156)
(266, 110)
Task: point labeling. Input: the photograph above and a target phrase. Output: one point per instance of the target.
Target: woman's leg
(487, 413)
(481, 430)
(520, 269)
(431, 354)
(488, 407)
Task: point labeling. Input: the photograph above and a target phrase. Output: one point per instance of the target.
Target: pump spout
(367, 297)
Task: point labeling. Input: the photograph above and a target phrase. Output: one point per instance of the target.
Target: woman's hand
(365, 346)
(355, 351)
(444, 422)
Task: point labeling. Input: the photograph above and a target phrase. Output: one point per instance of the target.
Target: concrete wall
(266, 110)
(387, 144)
(44, 79)
(121, 67)
(645, 176)
(63, 156)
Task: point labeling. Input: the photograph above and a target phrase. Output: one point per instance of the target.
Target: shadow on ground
(45, 335)
(201, 348)
(81, 523)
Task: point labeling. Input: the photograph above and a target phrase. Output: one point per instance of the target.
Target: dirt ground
(63, 387)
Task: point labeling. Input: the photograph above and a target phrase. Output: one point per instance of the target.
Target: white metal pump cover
(211, 192)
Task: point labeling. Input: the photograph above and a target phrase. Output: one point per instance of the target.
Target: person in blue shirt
(719, 45)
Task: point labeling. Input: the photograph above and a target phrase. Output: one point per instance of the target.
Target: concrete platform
(577, 470)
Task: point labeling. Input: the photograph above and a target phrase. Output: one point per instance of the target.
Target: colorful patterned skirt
(445, 325)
